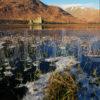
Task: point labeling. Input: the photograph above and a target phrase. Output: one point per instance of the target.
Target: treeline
(13, 21)
(47, 22)
(6, 21)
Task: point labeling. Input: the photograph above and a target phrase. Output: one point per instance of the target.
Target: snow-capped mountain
(84, 13)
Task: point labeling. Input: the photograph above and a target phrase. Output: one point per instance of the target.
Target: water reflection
(39, 45)
(23, 53)
(51, 27)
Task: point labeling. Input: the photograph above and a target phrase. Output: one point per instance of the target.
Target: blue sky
(64, 3)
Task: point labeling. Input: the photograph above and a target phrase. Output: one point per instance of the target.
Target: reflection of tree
(1, 70)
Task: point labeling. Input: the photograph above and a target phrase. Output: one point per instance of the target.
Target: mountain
(83, 13)
(30, 9)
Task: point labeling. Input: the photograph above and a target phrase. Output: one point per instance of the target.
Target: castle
(38, 20)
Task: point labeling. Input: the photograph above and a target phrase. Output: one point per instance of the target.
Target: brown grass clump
(61, 86)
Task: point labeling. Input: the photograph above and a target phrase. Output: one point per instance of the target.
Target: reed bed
(61, 86)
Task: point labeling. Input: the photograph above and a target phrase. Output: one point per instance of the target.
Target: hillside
(87, 14)
(30, 9)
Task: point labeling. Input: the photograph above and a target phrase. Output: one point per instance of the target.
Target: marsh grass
(61, 86)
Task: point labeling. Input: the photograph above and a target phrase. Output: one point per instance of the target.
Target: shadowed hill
(30, 9)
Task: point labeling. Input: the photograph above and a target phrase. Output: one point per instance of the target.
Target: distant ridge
(90, 15)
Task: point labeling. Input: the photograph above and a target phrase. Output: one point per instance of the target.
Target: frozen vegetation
(29, 59)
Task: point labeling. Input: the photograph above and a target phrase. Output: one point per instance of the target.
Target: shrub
(61, 86)
(37, 74)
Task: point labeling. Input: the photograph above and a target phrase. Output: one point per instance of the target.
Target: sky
(68, 3)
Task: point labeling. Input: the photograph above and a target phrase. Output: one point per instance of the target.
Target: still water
(24, 50)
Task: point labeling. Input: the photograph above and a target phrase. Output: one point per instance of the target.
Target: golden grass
(61, 86)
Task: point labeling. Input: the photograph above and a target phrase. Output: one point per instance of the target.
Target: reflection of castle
(36, 27)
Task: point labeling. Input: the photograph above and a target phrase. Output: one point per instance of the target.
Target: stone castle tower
(38, 20)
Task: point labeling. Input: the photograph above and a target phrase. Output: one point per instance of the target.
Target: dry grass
(61, 86)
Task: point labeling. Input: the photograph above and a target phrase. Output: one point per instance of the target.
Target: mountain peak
(30, 9)
(85, 13)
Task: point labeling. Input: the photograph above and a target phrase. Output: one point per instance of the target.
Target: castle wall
(36, 21)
